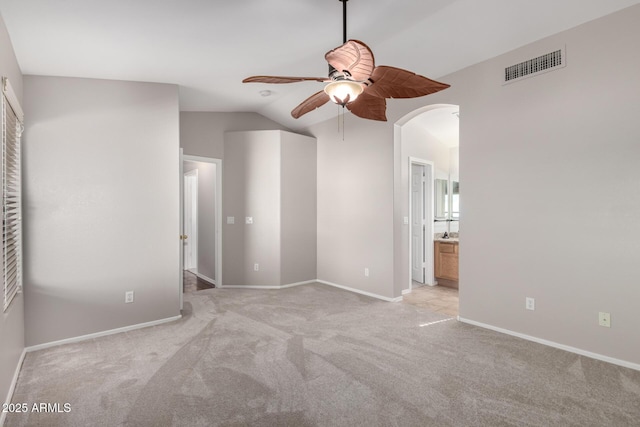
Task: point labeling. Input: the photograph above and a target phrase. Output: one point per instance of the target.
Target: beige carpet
(319, 356)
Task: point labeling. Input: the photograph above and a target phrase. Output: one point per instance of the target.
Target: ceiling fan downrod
(344, 20)
(334, 74)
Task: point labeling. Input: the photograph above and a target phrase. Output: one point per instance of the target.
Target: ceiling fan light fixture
(343, 91)
(353, 72)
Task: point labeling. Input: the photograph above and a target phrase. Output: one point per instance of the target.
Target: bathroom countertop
(449, 240)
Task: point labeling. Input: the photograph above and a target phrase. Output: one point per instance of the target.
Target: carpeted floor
(315, 355)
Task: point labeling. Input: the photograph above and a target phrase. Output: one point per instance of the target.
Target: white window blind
(12, 118)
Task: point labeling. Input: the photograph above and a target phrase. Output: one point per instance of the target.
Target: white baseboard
(100, 334)
(324, 282)
(406, 291)
(358, 291)
(568, 348)
(203, 277)
(12, 387)
(265, 287)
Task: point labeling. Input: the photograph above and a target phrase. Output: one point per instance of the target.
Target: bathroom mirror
(441, 200)
(455, 200)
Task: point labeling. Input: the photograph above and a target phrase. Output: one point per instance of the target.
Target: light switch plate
(231, 220)
(248, 220)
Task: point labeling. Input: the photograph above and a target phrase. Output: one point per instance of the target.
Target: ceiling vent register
(532, 67)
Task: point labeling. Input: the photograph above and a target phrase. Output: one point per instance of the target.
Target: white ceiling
(208, 46)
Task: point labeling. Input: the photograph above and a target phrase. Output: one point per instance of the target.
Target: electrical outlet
(256, 267)
(530, 303)
(604, 319)
(366, 272)
(128, 297)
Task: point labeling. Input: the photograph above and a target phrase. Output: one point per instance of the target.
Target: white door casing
(417, 223)
(427, 213)
(190, 234)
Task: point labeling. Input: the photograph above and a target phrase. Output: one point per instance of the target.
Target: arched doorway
(426, 145)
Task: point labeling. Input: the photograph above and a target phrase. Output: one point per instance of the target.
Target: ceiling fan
(355, 82)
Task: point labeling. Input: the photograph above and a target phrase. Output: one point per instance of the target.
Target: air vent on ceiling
(541, 64)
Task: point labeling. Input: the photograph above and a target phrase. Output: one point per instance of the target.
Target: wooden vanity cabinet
(446, 260)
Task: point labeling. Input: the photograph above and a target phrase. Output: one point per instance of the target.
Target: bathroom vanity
(446, 261)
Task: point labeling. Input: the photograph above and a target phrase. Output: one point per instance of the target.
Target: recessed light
(265, 93)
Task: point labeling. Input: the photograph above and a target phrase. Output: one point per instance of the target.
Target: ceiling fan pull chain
(341, 119)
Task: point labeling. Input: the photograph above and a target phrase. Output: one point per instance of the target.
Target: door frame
(421, 171)
(218, 219)
(428, 219)
(194, 222)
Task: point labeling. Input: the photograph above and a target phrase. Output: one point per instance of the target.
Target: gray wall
(298, 208)
(101, 182)
(202, 133)
(251, 188)
(12, 320)
(269, 176)
(355, 214)
(558, 150)
(206, 216)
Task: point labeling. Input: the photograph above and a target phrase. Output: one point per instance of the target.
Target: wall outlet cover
(128, 297)
(530, 303)
(604, 319)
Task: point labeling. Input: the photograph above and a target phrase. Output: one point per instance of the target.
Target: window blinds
(11, 195)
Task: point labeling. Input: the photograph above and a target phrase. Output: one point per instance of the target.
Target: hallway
(192, 283)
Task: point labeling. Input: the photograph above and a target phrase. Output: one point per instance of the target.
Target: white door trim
(218, 225)
(428, 219)
(181, 229)
(417, 232)
(191, 195)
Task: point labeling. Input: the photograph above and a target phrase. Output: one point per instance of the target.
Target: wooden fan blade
(282, 79)
(392, 82)
(311, 103)
(369, 107)
(354, 57)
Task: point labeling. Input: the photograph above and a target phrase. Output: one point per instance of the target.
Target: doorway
(201, 219)
(426, 139)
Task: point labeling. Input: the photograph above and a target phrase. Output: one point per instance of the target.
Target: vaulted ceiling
(208, 46)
